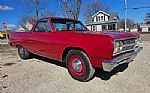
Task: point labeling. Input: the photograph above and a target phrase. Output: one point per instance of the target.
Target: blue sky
(12, 10)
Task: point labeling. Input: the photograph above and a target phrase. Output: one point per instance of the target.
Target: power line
(135, 8)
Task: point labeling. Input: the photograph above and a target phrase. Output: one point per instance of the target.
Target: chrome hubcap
(77, 65)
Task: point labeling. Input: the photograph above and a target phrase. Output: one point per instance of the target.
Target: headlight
(138, 40)
(118, 46)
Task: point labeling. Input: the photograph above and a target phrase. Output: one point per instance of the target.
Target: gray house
(103, 21)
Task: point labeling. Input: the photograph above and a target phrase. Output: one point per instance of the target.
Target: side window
(43, 26)
(94, 28)
(60, 26)
(76, 26)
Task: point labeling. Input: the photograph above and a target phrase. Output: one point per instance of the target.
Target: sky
(11, 11)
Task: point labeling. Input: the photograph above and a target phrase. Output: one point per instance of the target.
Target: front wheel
(23, 53)
(79, 65)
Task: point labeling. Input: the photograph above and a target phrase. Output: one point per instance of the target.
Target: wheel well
(10, 44)
(65, 52)
(18, 46)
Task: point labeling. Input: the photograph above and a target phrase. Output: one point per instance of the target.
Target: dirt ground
(42, 75)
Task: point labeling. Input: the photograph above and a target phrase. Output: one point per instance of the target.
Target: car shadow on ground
(55, 62)
(99, 73)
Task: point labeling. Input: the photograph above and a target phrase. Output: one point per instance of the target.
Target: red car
(68, 40)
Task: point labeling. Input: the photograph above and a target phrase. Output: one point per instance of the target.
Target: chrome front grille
(125, 45)
(125, 48)
(129, 41)
(128, 45)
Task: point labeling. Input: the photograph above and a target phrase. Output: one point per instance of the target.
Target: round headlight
(118, 46)
(138, 40)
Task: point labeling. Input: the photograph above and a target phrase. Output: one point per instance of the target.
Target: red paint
(98, 45)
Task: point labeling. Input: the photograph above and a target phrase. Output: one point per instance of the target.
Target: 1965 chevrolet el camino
(68, 40)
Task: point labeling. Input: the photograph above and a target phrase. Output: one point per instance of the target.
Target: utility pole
(37, 10)
(125, 15)
(36, 7)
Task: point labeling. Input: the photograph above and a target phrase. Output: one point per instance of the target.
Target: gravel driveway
(42, 75)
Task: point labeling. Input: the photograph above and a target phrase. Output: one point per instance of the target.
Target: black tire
(89, 70)
(23, 53)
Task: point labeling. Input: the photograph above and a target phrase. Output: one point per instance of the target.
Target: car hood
(114, 35)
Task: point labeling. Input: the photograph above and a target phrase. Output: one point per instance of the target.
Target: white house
(145, 27)
(134, 29)
(102, 21)
(25, 27)
(20, 29)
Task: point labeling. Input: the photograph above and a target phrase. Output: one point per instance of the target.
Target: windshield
(67, 24)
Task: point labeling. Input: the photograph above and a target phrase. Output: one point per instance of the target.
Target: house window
(114, 27)
(99, 18)
(108, 17)
(96, 18)
(94, 28)
(104, 28)
(102, 18)
(43, 26)
(110, 27)
(148, 29)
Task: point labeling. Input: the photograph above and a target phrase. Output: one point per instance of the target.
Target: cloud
(11, 25)
(5, 7)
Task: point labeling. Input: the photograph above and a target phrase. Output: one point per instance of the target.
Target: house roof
(102, 22)
(101, 12)
(114, 16)
(145, 25)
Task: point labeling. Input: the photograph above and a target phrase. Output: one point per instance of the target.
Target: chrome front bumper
(126, 58)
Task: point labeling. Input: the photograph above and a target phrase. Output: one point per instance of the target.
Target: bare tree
(32, 7)
(47, 13)
(92, 7)
(36, 8)
(130, 24)
(107, 9)
(70, 8)
(24, 19)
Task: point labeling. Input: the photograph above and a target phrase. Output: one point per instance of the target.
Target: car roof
(51, 17)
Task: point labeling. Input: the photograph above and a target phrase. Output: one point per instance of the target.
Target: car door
(41, 37)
